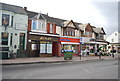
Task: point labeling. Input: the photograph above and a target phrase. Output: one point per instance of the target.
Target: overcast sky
(100, 13)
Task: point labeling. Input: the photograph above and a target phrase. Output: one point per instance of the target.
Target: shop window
(49, 48)
(5, 19)
(34, 47)
(45, 47)
(4, 38)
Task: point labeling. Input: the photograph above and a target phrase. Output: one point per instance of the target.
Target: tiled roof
(99, 30)
(12, 8)
(31, 14)
(82, 26)
(57, 21)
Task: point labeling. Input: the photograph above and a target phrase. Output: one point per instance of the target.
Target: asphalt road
(72, 70)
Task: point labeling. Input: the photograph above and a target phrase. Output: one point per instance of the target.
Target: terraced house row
(31, 34)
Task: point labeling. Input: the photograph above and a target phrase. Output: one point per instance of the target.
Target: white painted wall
(17, 18)
(116, 38)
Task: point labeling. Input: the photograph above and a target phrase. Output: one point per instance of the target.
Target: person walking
(113, 51)
(99, 52)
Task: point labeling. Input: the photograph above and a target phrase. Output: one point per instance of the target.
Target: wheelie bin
(68, 54)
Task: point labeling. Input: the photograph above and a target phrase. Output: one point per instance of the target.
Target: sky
(99, 13)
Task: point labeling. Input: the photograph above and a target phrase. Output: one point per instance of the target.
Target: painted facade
(13, 29)
(114, 40)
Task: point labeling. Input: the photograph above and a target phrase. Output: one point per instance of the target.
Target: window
(39, 25)
(12, 21)
(45, 47)
(43, 25)
(34, 24)
(5, 19)
(69, 32)
(11, 39)
(34, 47)
(112, 40)
(4, 38)
(115, 34)
(51, 28)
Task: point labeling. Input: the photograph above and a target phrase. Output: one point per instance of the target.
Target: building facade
(92, 38)
(114, 40)
(13, 29)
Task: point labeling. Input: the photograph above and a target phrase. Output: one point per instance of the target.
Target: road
(102, 69)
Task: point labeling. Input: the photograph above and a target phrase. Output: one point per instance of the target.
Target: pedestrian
(113, 51)
(99, 52)
(87, 51)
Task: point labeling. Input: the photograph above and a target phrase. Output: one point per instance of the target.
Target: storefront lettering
(64, 40)
(48, 38)
(69, 40)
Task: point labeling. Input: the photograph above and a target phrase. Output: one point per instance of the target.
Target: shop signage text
(69, 40)
(43, 38)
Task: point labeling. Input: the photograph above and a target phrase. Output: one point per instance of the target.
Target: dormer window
(34, 24)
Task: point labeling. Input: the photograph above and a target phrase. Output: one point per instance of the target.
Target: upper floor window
(38, 25)
(5, 19)
(51, 28)
(41, 25)
(12, 21)
(115, 34)
(34, 24)
(112, 40)
(69, 32)
(88, 34)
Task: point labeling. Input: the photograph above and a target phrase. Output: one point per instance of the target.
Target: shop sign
(48, 38)
(69, 40)
(43, 38)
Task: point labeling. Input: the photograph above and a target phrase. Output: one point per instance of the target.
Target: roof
(99, 30)
(57, 21)
(31, 14)
(12, 8)
(82, 26)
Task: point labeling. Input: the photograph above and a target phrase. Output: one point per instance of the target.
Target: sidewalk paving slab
(52, 60)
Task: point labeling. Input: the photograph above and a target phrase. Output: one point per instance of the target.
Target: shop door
(35, 49)
(22, 41)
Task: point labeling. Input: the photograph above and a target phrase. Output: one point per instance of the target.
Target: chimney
(25, 8)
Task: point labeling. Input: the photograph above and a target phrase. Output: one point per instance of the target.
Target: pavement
(52, 59)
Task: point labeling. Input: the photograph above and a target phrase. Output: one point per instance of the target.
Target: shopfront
(72, 44)
(43, 46)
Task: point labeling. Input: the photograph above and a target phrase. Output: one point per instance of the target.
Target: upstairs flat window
(5, 19)
(12, 21)
(34, 24)
(51, 28)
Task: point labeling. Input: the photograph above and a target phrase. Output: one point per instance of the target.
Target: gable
(88, 28)
(71, 25)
